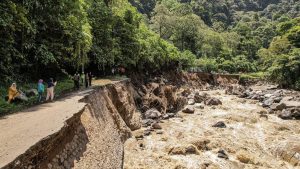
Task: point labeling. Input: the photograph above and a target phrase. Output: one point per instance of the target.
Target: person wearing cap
(41, 89)
(12, 93)
(50, 89)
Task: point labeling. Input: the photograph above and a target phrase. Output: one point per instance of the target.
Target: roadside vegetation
(64, 85)
(41, 38)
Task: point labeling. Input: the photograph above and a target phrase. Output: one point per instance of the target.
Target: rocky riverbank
(234, 128)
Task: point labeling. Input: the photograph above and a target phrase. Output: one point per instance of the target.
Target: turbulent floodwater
(249, 140)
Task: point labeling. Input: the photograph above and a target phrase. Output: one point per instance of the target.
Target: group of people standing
(14, 93)
(50, 89)
(84, 78)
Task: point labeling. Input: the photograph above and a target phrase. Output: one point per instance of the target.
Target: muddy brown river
(250, 140)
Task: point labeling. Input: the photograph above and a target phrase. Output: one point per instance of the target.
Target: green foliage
(282, 59)
(44, 38)
(63, 86)
(207, 64)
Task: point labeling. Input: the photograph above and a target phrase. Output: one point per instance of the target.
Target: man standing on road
(86, 80)
(50, 89)
(90, 78)
(76, 79)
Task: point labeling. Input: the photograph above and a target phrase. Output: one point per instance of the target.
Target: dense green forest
(43, 38)
(232, 35)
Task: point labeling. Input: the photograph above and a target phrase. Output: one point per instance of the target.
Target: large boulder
(31, 93)
(156, 126)
(183, 150)
(291, 104)
(21, 98)
(152, 114)
(200, 97)
(268, 102)
(244, 157)
(188, 109)
(199, 106)
(213, 101)
(235, 90)
(278, 106)
(147, 122)
(291, 113)
(222, 154)
(191, 102)
(201, 144)
(219, 124)
(186, 92)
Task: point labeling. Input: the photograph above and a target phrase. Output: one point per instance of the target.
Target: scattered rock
(234, 90)
(159, 132)
(191, 149)
(213, 101)
(222, 154)
(287, 114)
(191, 96)
(31, 93)
(183, 150)
(264, 116)
(268, 95)
(278, 106)
(220, 124)
(147, 122)
(200, 98)
(49, 166)
(152, 114)
(268, 102)
(171, 115)
(291, 104)
(243, 156)
(199, 106)
(287, 98)
(166, 116)
(201, 144)
(188, 109)
(191, 102)
(156, 126)
(177, 151)
(186, 92)
(277, 99)
(262, 111)
(147, 132)
(138, 134)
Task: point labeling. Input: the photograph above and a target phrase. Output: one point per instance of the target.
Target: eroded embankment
(93, 137)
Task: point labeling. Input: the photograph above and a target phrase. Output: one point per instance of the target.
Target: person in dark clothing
(50, 89)
(90, 78)
(86, 80)
(76, 79)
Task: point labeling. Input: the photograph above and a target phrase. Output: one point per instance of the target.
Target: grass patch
(64, 85)
(253, 76)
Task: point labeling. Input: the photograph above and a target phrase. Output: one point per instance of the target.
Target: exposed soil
(89, 129)
(20, 131)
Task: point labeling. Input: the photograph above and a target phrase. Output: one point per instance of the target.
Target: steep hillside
(230, 36)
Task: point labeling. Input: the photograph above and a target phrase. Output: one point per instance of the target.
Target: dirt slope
(20, 131)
